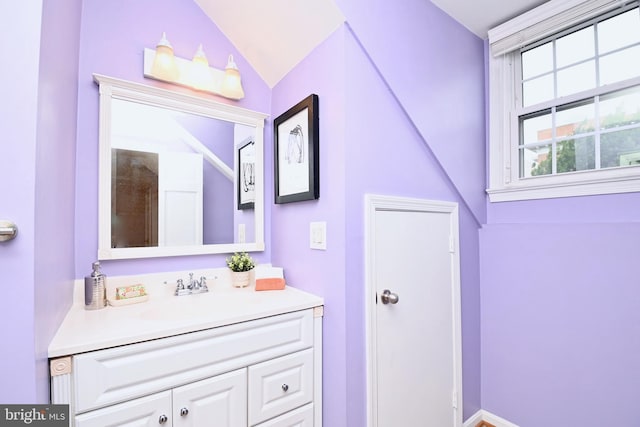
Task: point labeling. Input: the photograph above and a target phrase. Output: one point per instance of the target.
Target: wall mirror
(178, 174)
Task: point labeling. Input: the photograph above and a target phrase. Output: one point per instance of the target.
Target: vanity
(228, 357)
(181, 174)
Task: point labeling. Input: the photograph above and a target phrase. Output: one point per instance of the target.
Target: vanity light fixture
(164, 62)
(232, 85)
(161, 64)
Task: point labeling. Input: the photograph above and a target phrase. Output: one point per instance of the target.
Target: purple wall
(414, 171)
(435, 67)
(113, 37)
(560, 316)
(55, 177)
(354, 160)
(320, 272)
(39, 154)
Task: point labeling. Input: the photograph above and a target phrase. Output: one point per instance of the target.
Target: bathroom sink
(199, 306)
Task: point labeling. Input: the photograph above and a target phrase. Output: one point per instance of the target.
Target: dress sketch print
(247, 176)
(296, 152)
(295, 146)
(293, 163)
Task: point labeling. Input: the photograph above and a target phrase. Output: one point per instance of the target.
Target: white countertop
(165, 315)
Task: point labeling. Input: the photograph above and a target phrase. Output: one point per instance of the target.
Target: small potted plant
(240, 264)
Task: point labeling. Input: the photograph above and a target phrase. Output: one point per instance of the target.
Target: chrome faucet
(194, 286)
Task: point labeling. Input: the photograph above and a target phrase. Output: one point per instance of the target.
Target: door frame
(374, 203)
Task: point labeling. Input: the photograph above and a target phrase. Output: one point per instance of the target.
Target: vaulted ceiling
(275, 35)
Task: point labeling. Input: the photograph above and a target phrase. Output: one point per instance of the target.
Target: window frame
(506, 42)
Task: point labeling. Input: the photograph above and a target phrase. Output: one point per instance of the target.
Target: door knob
(184, 412)
(8, 230)
(389, 298)
(163, 419)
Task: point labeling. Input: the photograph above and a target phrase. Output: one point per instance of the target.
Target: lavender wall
(320, 272)
(39, 133)
(55, 177)
(560, 309)
(113, 36)
(435, 68)
(390, 157)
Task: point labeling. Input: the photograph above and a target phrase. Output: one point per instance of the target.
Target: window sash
(505, 108)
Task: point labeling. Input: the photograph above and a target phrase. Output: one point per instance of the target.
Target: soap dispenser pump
(95, 295)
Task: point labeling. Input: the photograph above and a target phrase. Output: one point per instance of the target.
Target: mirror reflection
(172, 177)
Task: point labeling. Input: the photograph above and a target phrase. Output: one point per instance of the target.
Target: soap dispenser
(95, 295)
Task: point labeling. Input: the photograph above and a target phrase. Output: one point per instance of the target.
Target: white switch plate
(318, 235)
(242, 233)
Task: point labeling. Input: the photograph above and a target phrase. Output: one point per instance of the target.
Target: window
(565, 107)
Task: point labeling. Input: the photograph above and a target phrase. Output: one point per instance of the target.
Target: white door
(180, 201)
(413, 310)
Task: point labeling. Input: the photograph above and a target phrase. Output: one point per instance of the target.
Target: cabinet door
(220, 401)
(280, 385)
(301, 417)
(149, 411)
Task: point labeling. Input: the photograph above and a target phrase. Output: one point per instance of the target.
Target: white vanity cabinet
(263, 372)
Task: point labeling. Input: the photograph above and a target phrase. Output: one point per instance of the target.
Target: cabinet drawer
(301, 417)
(145, 411)
(280, 385)
(119, 374)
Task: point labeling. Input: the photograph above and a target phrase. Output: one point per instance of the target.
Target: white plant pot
(240, 279)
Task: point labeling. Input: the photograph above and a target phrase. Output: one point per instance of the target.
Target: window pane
(575, 47)
(535, 161)
(619, 31)
(536, 129)
(620, 65)
(537, 61)
(621, 109)
(537, 90)
(576, 154)
(577, 78)
(620, 148)
(575, 120)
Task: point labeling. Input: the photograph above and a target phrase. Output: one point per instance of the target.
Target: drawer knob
(184, 412)
(163, 419)
(285, 387)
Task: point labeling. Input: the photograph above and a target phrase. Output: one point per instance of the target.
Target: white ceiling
(283, 32)
(481, 15)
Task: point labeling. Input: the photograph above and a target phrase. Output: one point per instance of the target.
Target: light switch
(242, 233)
(318, 235)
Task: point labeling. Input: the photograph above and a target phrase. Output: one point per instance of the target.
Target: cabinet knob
(184, 412)
(163, 419)
(285, 387)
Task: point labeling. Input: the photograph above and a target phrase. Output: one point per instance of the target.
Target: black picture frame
(246, 186)
(296, 152)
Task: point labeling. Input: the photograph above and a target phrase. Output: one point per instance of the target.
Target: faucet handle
(180, 284)
(203, 283)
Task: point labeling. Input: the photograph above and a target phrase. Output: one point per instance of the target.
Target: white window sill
(612, 181)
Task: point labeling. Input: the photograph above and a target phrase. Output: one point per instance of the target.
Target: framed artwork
(247, 176)
(296, 153)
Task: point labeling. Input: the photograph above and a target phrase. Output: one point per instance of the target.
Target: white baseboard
(487, 416)
(473, 420)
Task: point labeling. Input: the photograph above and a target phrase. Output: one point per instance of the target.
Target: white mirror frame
(111, 88)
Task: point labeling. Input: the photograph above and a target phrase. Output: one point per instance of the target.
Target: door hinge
(454, 400)
(452, 244)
